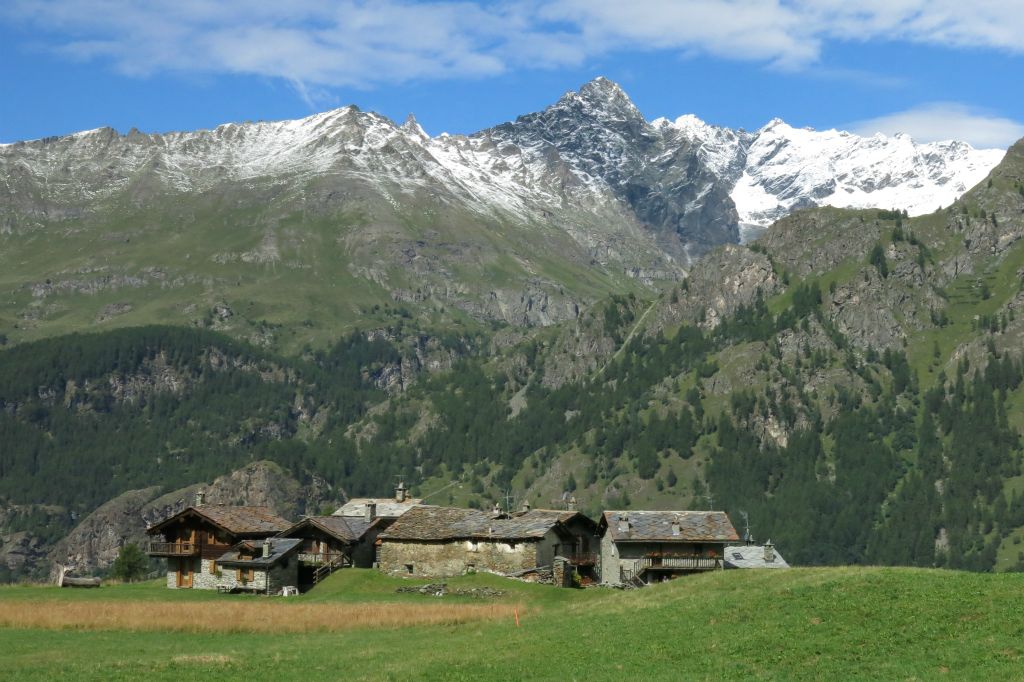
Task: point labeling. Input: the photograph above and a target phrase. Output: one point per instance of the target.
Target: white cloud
(368, 42)
(946, 121)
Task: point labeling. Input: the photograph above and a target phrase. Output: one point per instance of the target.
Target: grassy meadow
(816, 623)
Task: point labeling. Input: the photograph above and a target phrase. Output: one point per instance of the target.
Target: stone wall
(172, 571)
(443, 559)
(609, 562)
(285, 572)
(228, 580)
(561, 572)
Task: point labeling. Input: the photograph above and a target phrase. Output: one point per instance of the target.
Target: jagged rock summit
(526, 223)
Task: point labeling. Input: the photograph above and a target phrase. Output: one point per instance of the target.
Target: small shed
(263, 566)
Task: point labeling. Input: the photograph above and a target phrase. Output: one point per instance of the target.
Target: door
(184, 573)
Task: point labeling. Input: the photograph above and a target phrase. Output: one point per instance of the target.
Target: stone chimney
(769, 552)
(497, 510)
(623, 524)
(370, 511)
(200, 498)
(571, 506)
(675, 528)
(526, 506)
(400, 492)
(266, 548)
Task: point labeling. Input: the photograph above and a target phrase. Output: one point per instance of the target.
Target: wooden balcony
(322, 558)
(636, 568)
(173, 549)
(686, 563)
(582, 559)
(184, 549)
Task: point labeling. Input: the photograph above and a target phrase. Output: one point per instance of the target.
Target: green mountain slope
(852, 383)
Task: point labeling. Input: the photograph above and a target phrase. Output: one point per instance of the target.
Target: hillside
(853, 623)
(851, 382)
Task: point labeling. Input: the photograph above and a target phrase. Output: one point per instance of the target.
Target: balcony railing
(582, 559)
(203, 549)
(638, 567)
(693, 563)
(174, 548)
(321, 558)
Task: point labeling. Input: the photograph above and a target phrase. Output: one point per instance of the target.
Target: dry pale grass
(263, 616)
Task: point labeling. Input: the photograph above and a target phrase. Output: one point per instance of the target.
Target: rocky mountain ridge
(590, 148)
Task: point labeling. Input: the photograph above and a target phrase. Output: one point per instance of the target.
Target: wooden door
(184, 573)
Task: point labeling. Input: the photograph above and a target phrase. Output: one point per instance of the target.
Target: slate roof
(751, 556)
(243, 521)
(346, 529)
(656, 526)
(279, 549)
(428, 522)
(386, 506)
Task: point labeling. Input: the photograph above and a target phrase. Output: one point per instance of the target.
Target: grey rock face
(95, 542)
(658, 173)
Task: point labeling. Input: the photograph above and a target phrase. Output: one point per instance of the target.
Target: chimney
(400, 492)
(200, 498)
(526, 506)
(370, 511)
(572, 504)
(266, 548)
(769, 552)
(623, 524)
(497, 510)
(675, 528)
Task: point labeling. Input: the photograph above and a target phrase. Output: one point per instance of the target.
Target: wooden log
(80, 582)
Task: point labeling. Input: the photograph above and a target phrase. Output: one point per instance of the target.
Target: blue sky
(936, 69)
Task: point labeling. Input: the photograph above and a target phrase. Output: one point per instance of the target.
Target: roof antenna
(747, 537)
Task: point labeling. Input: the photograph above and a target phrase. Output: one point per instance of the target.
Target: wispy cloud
(369, 42)
(946, 121)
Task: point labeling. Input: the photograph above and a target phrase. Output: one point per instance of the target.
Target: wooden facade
(194, 539)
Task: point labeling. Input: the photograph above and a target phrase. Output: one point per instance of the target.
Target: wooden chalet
(194, 539)
(328, 543)
(643, 547)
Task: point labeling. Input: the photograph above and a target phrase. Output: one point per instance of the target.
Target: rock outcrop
(94, 543)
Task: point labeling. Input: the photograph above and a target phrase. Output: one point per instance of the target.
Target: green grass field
(821, 623)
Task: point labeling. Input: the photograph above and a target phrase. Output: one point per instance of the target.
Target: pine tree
(130, 564)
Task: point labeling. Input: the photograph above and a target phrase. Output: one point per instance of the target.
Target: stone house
(383, 507)
(195, 538)
(328, 543)
(433, 541)
(652, 546)
(754, 556)
(262, 566)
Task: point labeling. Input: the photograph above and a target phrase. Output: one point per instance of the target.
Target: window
(737, 556)
(409, 569)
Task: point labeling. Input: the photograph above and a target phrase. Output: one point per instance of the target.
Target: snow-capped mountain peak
(690, 184)
(783, 168)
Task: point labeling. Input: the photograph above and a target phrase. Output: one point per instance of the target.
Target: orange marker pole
(516, 611)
